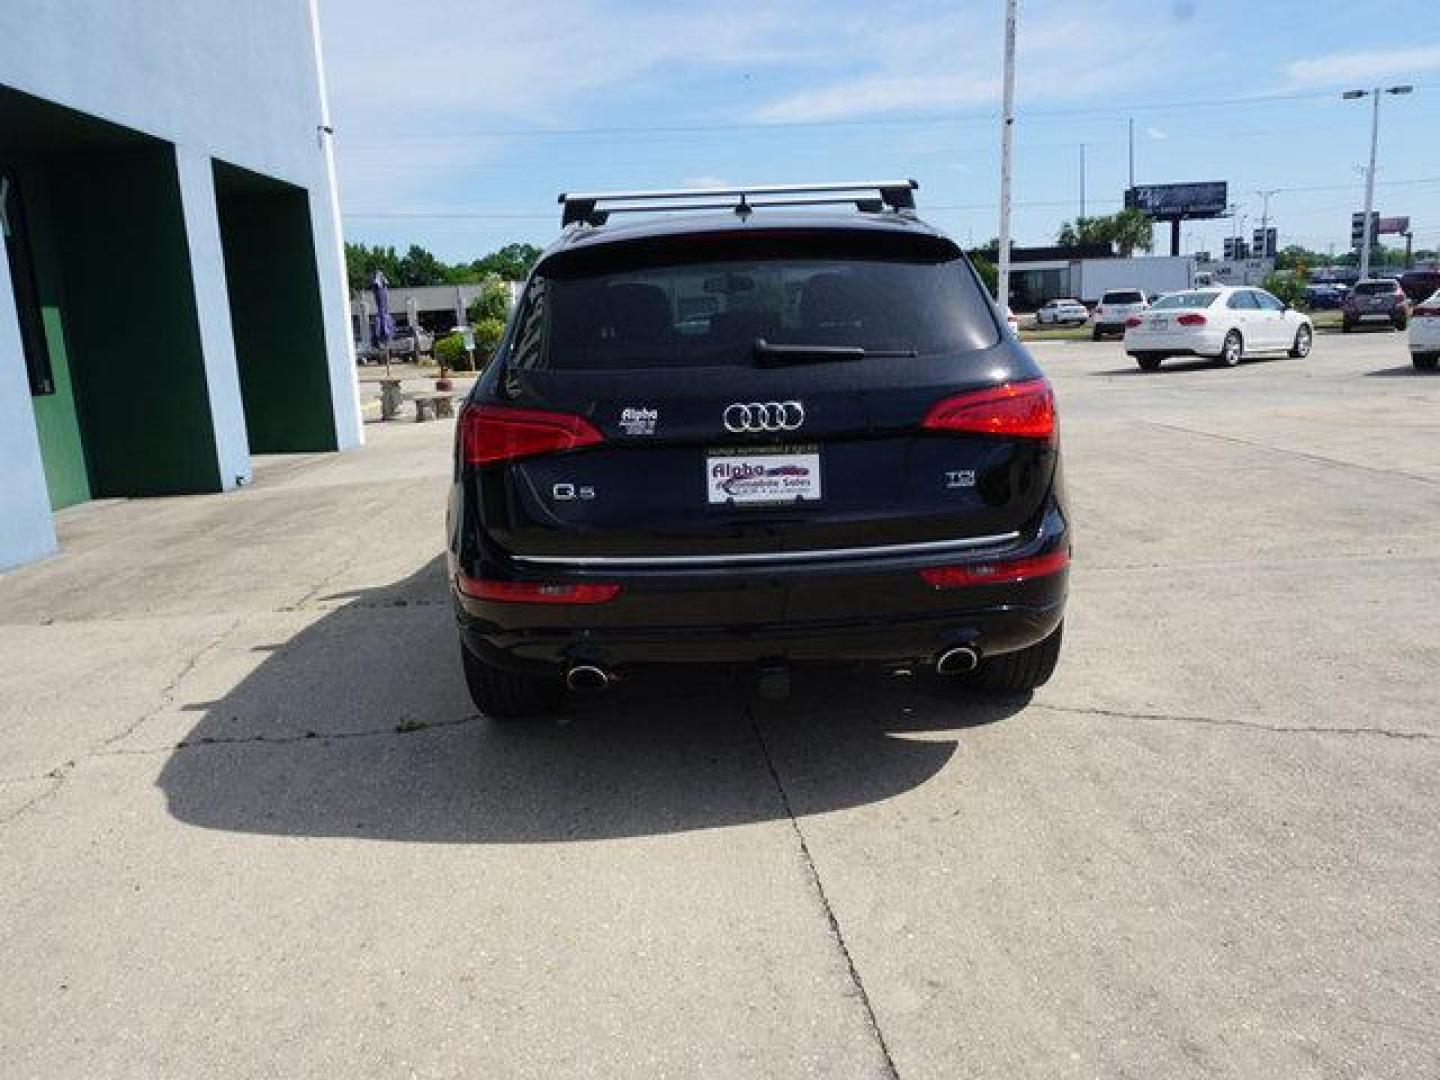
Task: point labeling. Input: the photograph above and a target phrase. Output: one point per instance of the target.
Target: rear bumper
(879, 610)
(1206, 342)
(889, 640)
(1424, 335)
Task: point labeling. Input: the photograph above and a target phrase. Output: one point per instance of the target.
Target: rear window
(1376, 288)
(703, 303)
(1186, 300)
(1122, 296)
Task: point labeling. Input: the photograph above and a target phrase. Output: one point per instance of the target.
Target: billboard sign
(1393, 226)
(1179, 201)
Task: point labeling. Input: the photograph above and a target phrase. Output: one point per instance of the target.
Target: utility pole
(1007, 132)
(1082, 180)
(1132, 151)
(1368, 236)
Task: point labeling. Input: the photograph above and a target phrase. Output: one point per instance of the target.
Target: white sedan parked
(1062, 311)
(1425, 334)
(1222, 323)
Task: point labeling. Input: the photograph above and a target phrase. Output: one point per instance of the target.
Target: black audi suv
(771, 426)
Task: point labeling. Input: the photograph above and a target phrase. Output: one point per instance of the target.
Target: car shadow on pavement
(1168, 367)
(359, 725)
(1404, 371)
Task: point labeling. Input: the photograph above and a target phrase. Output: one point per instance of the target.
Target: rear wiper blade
(770, 355)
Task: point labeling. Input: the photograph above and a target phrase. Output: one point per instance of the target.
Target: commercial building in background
(436, 308)
(1085, 272)
(172, 296)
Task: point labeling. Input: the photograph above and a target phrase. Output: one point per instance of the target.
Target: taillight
(1193, 318)
(1023, 410)
(537, 592)
(1133, 321)
(491, 433)
(1006, 571)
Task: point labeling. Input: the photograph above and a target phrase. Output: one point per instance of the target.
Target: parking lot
(250, 824)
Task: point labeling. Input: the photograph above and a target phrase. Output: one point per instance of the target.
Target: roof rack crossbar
(585, 207)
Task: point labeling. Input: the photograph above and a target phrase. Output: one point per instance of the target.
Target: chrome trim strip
(928, 547)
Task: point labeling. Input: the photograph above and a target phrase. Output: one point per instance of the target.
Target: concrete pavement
(251, 826)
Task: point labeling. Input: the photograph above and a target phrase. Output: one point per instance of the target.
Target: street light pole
(1007, 132)
(1367, 234)
(1132, 151)
(1369, 238)
(1082, 181)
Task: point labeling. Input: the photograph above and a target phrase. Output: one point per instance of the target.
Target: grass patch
(1063, 333)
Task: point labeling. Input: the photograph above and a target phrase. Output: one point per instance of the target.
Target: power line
(1120, 113)
(525, 215)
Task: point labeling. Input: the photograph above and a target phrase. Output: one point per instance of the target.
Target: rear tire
(506, 695)
(1018, 672)
(1150, 362)
(1401, 321)
(1346, 326)
(1096, 334)
(1425, 361)
(1303, 340)
(1232, 350)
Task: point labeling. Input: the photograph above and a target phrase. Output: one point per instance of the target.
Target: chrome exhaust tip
(957, 661)
(584, 678)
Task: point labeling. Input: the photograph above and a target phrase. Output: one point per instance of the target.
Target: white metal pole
(1007, 130)
(1082, 179)
(1132, 151)
(1367, 238)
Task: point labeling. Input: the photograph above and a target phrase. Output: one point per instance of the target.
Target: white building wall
(26, 529)
(237, 80)
(212, 309)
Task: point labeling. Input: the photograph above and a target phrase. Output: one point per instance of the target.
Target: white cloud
(529, 63)
(952, 62)
(1362, 67)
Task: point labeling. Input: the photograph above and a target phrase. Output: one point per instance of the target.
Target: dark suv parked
(1375, 300)
(757, 434)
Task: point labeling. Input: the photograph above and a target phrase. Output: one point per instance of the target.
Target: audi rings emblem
(763, 416)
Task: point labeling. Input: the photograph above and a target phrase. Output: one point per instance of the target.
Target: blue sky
(458, 122)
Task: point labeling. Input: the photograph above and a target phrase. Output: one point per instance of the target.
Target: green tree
(419, 267)
(1287, 285)
(361, 262)
(492, 303)
(512, 262)
(488, 333)
(986, 269)
(451, 354)
(1127, 231)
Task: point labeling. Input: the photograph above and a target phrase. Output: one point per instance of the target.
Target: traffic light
(1229, 248)
(1357, 228)
(1264, 243)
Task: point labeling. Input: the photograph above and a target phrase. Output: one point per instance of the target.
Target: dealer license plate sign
(776, 475)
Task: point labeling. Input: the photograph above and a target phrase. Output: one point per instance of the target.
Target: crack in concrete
(56, 776)
(814, 875)
(167, 692)
(1318, 459)
(404, 727)
(61, 773)
(1252, 725)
